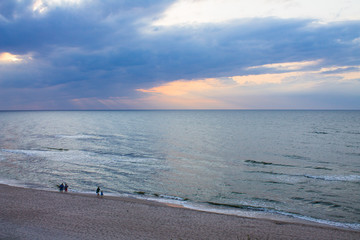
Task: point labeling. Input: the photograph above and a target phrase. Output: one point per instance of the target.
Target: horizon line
(235, 109)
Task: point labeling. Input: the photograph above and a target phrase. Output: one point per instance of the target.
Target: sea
(293, 164)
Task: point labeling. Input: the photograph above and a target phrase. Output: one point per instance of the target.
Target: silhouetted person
(66, 187)
(98, 191)
(61, 187)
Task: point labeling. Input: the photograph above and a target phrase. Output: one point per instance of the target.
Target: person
(102, 193)
(61, 187)
(66, 187)
(98, 190)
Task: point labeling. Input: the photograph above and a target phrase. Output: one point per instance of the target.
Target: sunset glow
(7, 57)
(178, 93)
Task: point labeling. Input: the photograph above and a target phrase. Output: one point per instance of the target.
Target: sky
(179, 54)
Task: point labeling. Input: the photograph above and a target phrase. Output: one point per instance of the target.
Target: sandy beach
(36, 214)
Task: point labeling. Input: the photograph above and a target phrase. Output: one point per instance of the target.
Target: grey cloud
(108, 49)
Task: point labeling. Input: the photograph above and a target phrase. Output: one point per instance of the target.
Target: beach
(37, 214)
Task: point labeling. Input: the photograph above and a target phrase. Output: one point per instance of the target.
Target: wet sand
(36, 214)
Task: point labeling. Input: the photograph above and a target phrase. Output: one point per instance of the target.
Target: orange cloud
(193, 94)
(182, 87)
(229, 92)
(7, 57)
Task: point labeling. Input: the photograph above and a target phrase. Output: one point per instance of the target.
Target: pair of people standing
(63, 187)
(99, 191)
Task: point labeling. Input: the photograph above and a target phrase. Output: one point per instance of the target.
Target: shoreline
(210, 207)
(40, 214)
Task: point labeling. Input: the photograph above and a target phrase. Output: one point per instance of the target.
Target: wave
(342, 178)
(329, 204)
(267, 172)
(238, 193)
(169, 197)
(287, 214)
(353, 132)
(319, 132)
(267, 163)
(258, 162)
(239, 206)
(287, 165)
(266, 200)
(297, 157)
(117, 154)
(319, 168)
(277, 182)
(35, 151)
(57, 149)
(322, 221)
(80, 136)
(25, 152)
(51, 151)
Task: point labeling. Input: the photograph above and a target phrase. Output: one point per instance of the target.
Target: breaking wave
(267, 163)
(288, 214)
(343, 178)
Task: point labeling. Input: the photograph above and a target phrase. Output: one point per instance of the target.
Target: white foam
(81, 136)
(266, 214)
(18, 151)
(343, 178)
(50, 154)
(11, 182)
(322, 221)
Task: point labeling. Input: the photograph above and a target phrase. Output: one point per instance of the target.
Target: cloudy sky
(179, 54)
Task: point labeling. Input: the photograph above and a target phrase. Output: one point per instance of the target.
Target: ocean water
(297, 164)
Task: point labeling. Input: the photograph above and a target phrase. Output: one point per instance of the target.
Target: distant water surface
(302, 164)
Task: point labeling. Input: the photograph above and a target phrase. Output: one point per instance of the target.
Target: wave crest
(343, 178)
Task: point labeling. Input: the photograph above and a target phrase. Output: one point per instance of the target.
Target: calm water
(302, 164)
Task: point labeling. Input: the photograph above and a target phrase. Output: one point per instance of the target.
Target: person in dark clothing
(61, 187)
(98, 191)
